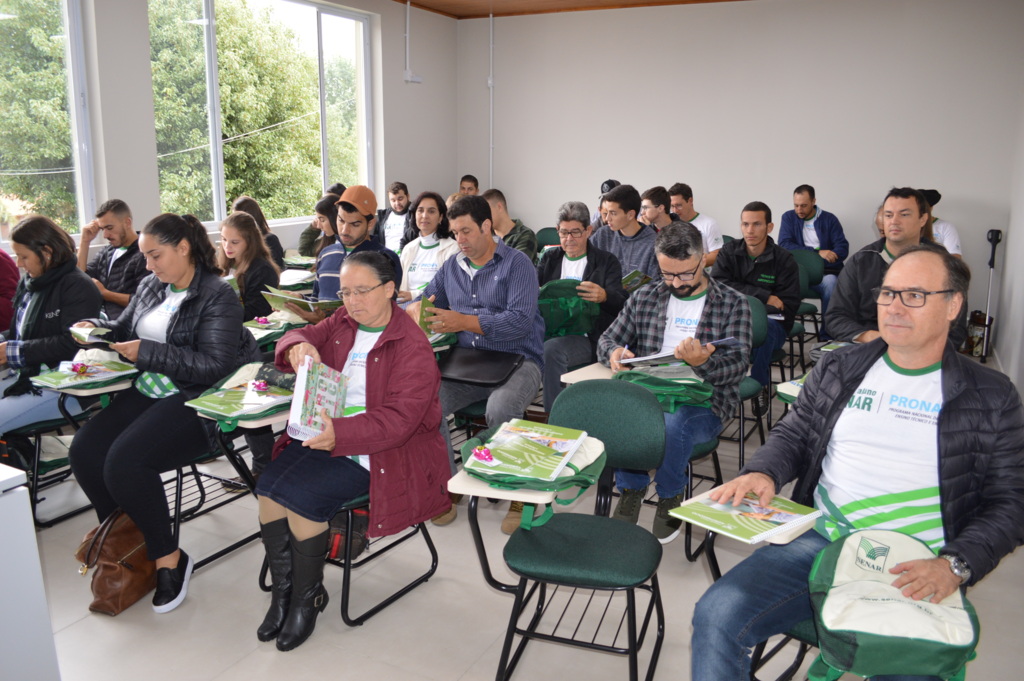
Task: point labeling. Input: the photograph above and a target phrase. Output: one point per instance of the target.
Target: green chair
(813, 266)
(593, 557)
(546, 236)
(749, 388)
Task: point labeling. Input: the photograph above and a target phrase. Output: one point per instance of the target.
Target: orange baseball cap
(362, 197)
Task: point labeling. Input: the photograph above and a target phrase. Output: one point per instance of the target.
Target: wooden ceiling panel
(475, 9)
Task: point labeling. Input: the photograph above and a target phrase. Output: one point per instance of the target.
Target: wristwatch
(958, 566)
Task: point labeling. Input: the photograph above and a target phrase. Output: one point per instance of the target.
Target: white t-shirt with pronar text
(394, 227)
(153, 325)
(682, 317)
(355, 369)
(881, 469)
(810, 234)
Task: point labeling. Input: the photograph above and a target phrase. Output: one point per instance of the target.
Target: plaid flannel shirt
(641, 326)
(14, 358)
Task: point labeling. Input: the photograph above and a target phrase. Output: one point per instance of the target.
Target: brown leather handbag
(123, 574)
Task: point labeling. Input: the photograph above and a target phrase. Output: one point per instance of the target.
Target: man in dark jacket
(900, 434)
(757, 267)
(119, 267)
(600, 277)
(851, 314)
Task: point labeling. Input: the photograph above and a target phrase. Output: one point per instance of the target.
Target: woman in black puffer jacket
(183, 330)
(51, 296)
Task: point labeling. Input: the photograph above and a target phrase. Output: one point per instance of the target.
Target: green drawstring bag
(867, 627)
(671, 392)
(564, 312)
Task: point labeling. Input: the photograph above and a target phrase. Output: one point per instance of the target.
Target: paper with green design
(317, 387)
(529, 450)
(241, 400)
(90, 375)
(278, 300)
(750, 522)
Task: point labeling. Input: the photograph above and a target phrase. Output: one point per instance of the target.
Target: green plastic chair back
(726, 238)
(548, 236)
(815, 266)
(627, 418)
(758, 322)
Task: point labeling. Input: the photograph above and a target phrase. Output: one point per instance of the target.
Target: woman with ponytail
(183, 331)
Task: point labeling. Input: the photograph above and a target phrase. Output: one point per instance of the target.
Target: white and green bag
(867, 627)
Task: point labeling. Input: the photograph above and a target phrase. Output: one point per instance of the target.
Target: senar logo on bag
(871, 555)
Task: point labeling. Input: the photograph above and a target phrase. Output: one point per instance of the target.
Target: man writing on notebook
(901, 433)
(682, 312)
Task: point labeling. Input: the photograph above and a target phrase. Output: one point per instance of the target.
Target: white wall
(746, 100)
(1010, 316)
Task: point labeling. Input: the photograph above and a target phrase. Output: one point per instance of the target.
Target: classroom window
(43, 133)
(288, 86)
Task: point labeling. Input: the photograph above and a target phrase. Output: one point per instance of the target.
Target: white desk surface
(587, 373)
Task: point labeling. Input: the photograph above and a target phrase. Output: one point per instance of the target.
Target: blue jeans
(685, 429)
(761, 356)
(559, 355)
(744, 608)
(824, 289)
(506, 402)
(23, 410)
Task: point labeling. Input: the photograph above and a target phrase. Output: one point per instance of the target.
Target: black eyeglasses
(909, 297)
(357, 293)
(683, 276)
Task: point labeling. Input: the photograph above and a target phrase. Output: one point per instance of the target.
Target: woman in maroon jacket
(388, 443)
(9, 277)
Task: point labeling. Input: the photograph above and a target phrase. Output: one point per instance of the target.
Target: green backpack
(867, 627)
(564, 312)
(671, 392)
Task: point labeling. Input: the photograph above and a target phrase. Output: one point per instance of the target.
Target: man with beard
(119, 267)
(683, 312)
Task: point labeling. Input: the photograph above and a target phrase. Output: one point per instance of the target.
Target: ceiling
(474, 9)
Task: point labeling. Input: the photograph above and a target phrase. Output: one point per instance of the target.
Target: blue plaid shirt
(14, 358)
(502, 295)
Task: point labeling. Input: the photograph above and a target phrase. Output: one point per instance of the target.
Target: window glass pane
(270, 112)
(180, 104)
(343, 90)
(37, 153)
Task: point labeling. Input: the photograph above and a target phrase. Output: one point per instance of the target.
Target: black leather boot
(276, 542)
(309, 597)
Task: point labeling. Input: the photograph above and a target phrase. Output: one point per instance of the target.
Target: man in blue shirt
(810, 228)
(487, 296)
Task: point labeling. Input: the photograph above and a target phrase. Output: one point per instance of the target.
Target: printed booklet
(317, 386)
(84, 374)
(529, 450)
(277, 299)
(792, 388)
(635, 280)
(296, 279)
(240, 400)
(90, 334)
(750, 522)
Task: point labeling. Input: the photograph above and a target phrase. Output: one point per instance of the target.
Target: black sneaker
(666, 527)
(759, 404)
(172, 584)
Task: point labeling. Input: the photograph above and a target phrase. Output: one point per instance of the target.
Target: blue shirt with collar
(502, 295)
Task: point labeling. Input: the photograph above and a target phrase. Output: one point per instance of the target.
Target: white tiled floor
(448, 629)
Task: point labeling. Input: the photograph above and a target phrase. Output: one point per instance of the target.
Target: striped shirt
(502, 295)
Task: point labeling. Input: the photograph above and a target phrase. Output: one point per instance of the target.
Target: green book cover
(278, 298)
(232, 281)
(240, 400)
(426, 305)
(834, 346)
(792, 388)
(528, 449)
(300, 261)
(750, 522)
(317, 387)
(90, 334)
(89, 374)
(635, 280)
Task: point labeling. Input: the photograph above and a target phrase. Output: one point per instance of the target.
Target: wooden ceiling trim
(513, 8)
